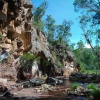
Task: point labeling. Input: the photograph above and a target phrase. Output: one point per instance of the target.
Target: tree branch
(87, 39)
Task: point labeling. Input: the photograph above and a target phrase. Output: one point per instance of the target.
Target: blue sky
(60, 10)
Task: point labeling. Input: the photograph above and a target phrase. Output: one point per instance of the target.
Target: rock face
(15, 25)
(40, 44)
(15, 34)
(67, 58)
(69, 63)
(18, 35)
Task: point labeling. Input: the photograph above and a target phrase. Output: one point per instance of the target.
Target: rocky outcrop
(85, 78)
(15, 34)
(18, 35)
(39, 44)
(67, 63)
(15, 25)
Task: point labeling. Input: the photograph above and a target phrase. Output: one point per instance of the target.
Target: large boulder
(53, 81)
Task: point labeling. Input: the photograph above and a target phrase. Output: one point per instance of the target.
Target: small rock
(8, 41)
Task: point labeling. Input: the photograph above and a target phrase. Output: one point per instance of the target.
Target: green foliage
(96, 94)
(27, 58)
(49, 23)
(0, 36)
(85, 57)
(83, 67)
(89, 22)
(89, 6)
(50, 28)
(72, 46)
(92, 86)
(74, 86)
(63, 32)
(46, 62)
(39, 12)
(59, 37)
(39, 25)
(80, 45)
(91, 71)
(58, 62)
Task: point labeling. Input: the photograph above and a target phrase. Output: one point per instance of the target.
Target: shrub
(27, 57)
(92, 86)
(96, 94)
(58, 62)
(46, 62)
(74, 86)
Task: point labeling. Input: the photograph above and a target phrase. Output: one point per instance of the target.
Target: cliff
(19, 35)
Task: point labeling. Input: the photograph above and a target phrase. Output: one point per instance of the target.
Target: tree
(91, 8)
(80, 45)
(89, 21)
(63, 32)
(85, 57)
(79, 51)
(39, 12)
(50, 28)
(72, 46)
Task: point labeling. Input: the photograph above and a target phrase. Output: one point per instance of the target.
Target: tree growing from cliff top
(50, 28)
(63, 32)
(39, 12)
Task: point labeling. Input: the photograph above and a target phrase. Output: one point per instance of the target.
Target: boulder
(79, 90)
(36, 81)
(53, 81)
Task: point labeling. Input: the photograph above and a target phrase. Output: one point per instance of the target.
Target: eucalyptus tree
(50, 28)
(63, 32)
(38, 13)
(78, 52)
(89, 21)
(90, 15)
(85, 57)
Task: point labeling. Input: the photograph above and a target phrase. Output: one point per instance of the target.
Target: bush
(96, 94)
(74, 86)
(46, 62)
(27, 57)
(92, 86)
(58, 62)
